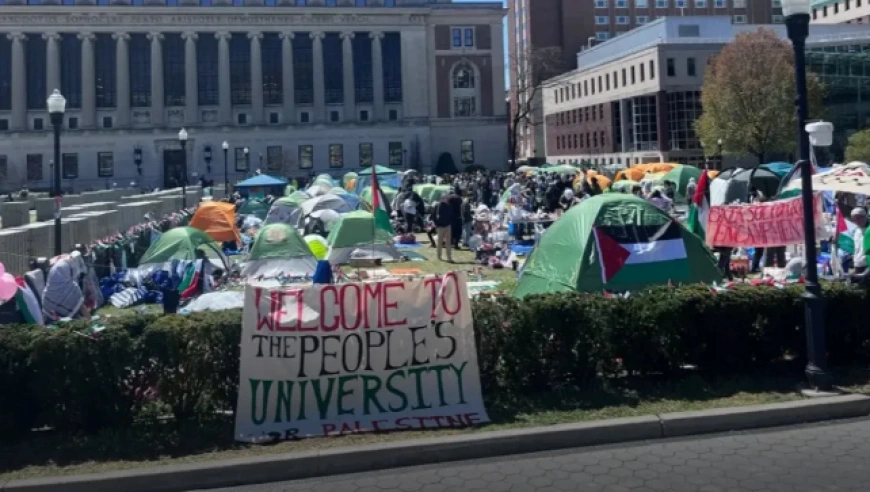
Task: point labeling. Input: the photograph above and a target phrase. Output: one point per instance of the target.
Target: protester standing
(455, 202)
(443, 218)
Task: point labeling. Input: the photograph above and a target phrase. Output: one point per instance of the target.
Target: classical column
(225, 111)
(347, 71)
(52, 62)
(256, 77)
(122, 79)
(378, 75)
(19, 81)
(287, 77)
(89, 82)
(319, 85)
(191, 90)
(431, 67)
(157, 112)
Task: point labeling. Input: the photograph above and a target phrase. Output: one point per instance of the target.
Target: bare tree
(532, 70)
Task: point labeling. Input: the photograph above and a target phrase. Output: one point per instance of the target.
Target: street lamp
(56, 106)
(182, 139)
(247, 160)
(226, 148)
(797, 23)
(206, 154)
(719, 152)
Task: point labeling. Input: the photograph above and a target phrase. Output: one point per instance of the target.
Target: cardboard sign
(762, 225)
(325, 360)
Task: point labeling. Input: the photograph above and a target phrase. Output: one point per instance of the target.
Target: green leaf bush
(189, 365)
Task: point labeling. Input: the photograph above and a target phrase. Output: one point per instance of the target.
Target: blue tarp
(263, 180)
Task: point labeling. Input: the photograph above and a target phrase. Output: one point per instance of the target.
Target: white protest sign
(324, 360)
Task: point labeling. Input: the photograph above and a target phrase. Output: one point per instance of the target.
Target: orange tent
(662, 167)
(712, 173)
(218, 220)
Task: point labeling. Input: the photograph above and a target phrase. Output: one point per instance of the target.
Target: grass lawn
(142, 445)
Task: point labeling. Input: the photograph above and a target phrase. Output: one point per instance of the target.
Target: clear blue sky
(504, 40)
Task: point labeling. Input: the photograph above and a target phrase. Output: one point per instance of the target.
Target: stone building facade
(294, 87)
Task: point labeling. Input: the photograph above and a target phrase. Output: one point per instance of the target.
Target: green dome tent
(279, 249)
(181, 243)
(680, 176)
(615, 242)
(295, 198)
(256, 207)
(355, 236)
(366, 195)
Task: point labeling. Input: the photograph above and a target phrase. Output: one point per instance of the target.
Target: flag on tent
(619, 246)
(27, 303)
(699, 210)
(843, 236)
(379, 207)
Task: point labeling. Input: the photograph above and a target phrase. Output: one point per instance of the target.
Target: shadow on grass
(156, 441)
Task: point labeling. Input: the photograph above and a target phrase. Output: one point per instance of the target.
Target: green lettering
(323, 400)
(392, 389)
(417, 372)
(459, 380)
(284, 398)
(302, 385)
(255, 384)
(342, 392)
(438, 370)
(370, 394)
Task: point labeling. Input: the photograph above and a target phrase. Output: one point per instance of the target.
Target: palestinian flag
(27, 303)
(379, 206)
(843, 236)
(699, 209)
(653, 248)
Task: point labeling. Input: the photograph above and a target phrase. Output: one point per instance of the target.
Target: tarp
(218, 220)
(615, 242)
(263, 180)
(256, 207)
(279, 249)
(357, 231)
(181, 243)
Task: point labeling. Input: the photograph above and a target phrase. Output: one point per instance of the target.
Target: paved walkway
(826, 457)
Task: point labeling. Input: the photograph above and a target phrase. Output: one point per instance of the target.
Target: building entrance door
(173, 168)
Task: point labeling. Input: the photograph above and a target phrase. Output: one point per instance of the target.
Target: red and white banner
(762, 225)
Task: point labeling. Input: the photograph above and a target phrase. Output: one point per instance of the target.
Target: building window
(336, 155)
(684, 108)
(720, 4)
(641, 4)
(241, 160)
(464, 91)
(306, 156)
(334, 116)
(207, 70)
(642, 72)
(304, 117)
(777, 4)
(393, 115)
(333, 69)
(366, 154)
(107, 122)
(240, 69)
(457, 37)
(642, 19)
(740, 19)
(661, 4)
(739, 4)
(273, 84)
(274, 158)
(34, 167)
(70, 70)
(777, 19)
(644, 123)
(633, 80)
(602, 20)
(105, 164)
(672, 67)
(364, 115)
(70, 166)
(35, 71)
(392, 56)
(700, 4)
(600, 4)
(395, 157)
(303, 70)
(72, 123)
(140, 71)
(37, 124)
(274, 119)
(622, 4)
(242, 118)
(173, 70)
(5, 73)
(621, 20)
(469, 37)
(105, 70)
(4, 169)
(602, 35)
(690, 67)
(466, 151)
(680, 4)
(652, 69)
(363, 80)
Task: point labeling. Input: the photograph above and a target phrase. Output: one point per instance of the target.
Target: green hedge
(188, 365)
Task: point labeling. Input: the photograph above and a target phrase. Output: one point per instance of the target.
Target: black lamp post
(247, 160)
(797, 23)
(182, 139)
(56, 107)
(719, 153)
(226, 147)
(137, 159)
(206, 154)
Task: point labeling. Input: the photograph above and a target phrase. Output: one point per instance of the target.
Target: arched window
(465, 90)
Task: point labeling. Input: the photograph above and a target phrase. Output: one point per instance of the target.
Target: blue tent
(780, 168)
(262, 180)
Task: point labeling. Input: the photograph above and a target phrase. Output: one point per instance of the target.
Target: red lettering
(444, 289)
(354, 303)
(328, 429)
(376, 425)
(371, 296)
(402, 423)
(262, 321)
(387, 306)
(434, 285)
(323, 309)
(472, 418)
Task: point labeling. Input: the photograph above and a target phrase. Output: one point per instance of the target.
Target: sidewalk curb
(292, 466)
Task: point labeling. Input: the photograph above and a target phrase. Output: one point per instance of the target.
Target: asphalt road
(829, 457)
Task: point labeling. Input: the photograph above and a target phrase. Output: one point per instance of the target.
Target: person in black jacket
(455, 202)
(443, 215)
